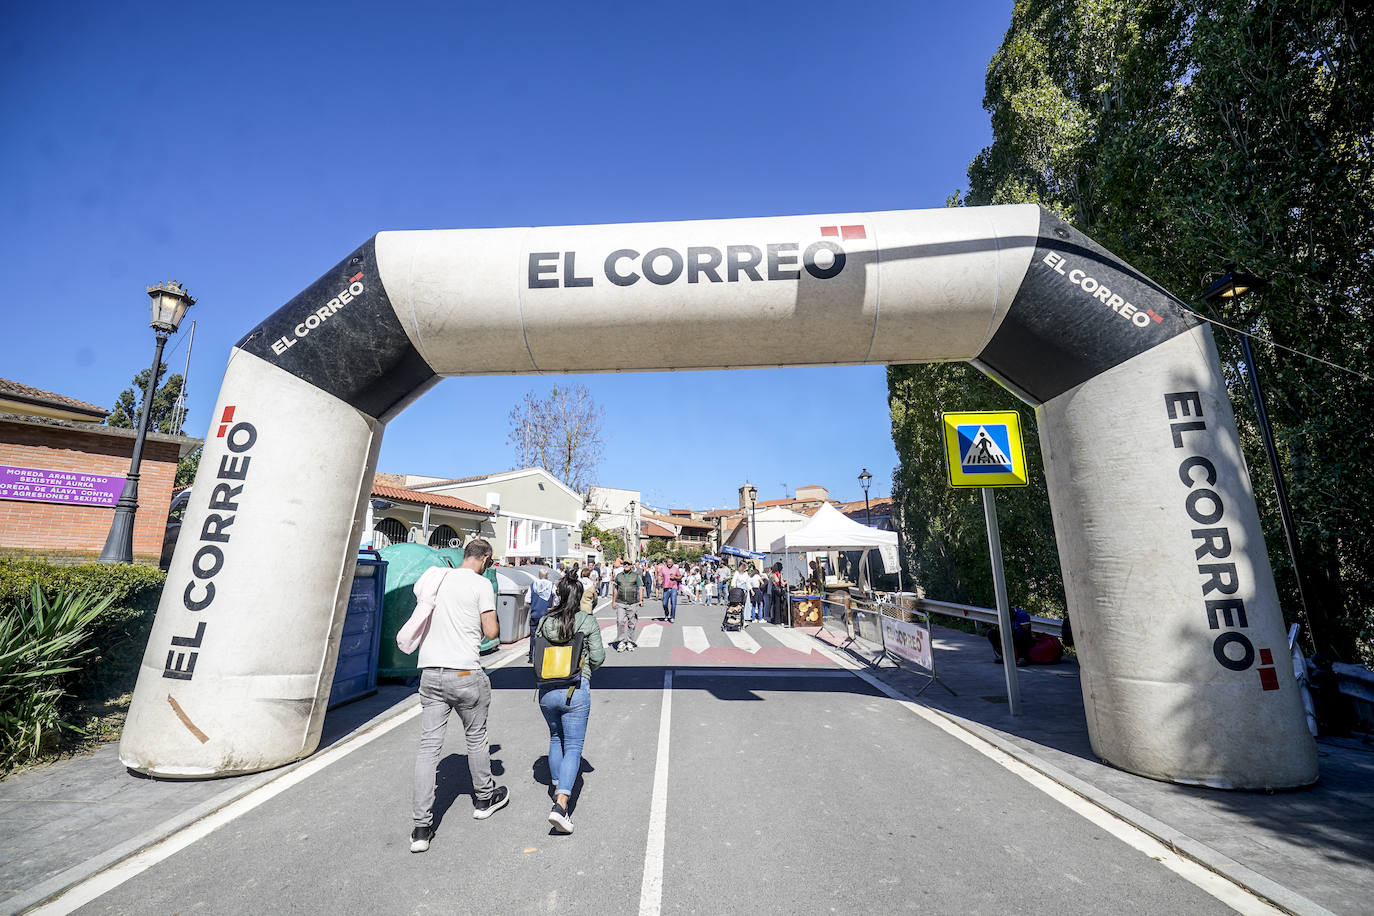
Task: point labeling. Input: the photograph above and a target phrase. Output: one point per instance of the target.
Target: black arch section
(1058, 334)
(357, 350)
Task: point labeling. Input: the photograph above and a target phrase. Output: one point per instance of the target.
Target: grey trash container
(512, 611)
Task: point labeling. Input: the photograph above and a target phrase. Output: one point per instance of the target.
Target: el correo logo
(321, 314)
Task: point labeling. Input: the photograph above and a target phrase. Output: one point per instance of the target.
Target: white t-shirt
(454, 639)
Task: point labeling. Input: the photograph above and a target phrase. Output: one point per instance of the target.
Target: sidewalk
(1308, 851)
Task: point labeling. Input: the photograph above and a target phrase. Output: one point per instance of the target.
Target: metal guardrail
(1355, 681)
(1048, 625)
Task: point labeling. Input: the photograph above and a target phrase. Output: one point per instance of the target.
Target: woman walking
(566, 709)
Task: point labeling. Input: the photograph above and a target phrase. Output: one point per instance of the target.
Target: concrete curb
(1274, 893)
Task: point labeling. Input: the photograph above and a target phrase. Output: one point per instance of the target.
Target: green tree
(164, 418)
(1186, 135)
(612, 542)
(944, 535)
(186, 469)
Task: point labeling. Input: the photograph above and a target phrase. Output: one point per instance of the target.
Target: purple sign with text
(45, 486)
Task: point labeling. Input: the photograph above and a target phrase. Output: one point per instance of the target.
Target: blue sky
(243, 149)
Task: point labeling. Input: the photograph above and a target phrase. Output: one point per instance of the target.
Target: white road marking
(742, 640)
(650, 636)
(651, 891)
(78, 895)
(793, 639)
(761, 672)
(695, 639)
(1229, 893)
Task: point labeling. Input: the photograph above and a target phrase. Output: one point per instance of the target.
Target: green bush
(40, 642)
(108, 668)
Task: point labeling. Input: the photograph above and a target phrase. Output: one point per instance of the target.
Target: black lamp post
(169, 304)
(1231, 285)
(865, 479)
(752, 494)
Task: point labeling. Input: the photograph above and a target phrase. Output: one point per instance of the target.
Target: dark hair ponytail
(564, 614)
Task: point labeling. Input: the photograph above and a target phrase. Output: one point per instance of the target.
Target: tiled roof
(874, 504)
(401, 494)
(33, 395)
(651, 529)
(693, 523)
(717, 513)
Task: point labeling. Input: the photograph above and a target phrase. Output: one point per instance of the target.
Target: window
(389, 531)
(445, 536)
(516, 526)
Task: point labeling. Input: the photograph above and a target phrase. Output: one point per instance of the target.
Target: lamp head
(865, 479)
(1232, 284)
(170, 301)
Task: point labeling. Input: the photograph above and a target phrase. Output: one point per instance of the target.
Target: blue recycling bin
(355, 673)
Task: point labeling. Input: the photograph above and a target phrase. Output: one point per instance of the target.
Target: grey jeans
(626, 619)
(442, 690)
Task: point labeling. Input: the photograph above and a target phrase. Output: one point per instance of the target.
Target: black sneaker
(483, 809)
(420, 837)
(560, 820)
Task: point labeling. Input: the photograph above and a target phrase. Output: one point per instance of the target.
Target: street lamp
(751, 493)
(865, 479)
(1231, 285)
(632, 534)
(170, 301)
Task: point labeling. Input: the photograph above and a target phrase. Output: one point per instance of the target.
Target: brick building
(43, 435)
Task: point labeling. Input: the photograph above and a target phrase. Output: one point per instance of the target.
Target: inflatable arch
(1181, 641)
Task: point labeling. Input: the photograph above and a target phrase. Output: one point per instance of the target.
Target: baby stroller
(734, 611)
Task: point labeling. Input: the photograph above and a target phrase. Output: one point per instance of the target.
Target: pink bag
(409, 637)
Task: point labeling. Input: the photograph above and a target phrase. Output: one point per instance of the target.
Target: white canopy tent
(829, 529)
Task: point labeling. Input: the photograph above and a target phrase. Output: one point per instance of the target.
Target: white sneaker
(560, 820)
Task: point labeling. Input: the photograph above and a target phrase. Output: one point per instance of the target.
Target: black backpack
(557, 664)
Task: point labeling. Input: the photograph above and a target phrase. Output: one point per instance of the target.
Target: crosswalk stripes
(793, 639)
(742, 640)
(694, 638)
(650, 636)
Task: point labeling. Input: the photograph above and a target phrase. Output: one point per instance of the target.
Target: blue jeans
(670, 603)
(762, 609)
(567, 721)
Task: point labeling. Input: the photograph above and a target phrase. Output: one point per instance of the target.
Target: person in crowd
(1021, 638)
(777, 596)
(588, 599)
(539, 597)
(740, 580)
(756, 594)
(646, 573)
(566, 709)
(452, 680)
(627, 597)
(723, 582)
(672, 581)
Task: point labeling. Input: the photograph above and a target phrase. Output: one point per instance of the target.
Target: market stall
(828, 529)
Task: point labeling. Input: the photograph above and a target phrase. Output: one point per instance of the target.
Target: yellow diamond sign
(983, 448)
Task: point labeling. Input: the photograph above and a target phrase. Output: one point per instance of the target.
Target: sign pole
(999, 584)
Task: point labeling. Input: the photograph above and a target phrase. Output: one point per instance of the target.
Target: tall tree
(561, 433)
(1186, 135)
(164, 417)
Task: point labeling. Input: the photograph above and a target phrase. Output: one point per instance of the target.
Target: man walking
(452, 680)
(672, 581)
(626, 590)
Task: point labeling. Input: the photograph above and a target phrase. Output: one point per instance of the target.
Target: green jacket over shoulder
(595, 649)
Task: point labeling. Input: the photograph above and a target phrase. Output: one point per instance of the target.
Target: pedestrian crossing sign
(984, 449)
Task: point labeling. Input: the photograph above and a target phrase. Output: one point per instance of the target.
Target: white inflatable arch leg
(1179, 629)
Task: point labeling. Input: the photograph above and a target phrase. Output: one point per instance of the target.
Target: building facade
(61, 472)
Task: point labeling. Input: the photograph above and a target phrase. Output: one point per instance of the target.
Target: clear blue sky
(243, 149)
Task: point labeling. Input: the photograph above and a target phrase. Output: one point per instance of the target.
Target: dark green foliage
(41, 642)
(944, 535)
(1187, 135)
(612, 542)
(118, 633)
(164, 417)
(186, 469)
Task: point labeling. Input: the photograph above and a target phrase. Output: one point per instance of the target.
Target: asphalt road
(781, 784)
